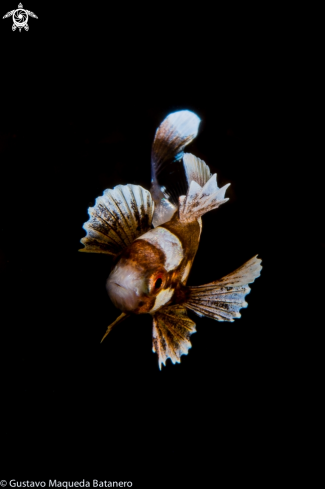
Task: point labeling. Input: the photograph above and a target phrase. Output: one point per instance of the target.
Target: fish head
(136, 279)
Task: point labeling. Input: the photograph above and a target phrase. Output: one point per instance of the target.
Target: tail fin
(222, 299)
(200, 200)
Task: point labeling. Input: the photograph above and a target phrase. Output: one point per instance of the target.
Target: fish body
(154, 267)
(155, 236)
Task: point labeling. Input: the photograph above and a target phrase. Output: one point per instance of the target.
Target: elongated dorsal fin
(172, 329)
(173, 134)
(118, 217)
(168, 177)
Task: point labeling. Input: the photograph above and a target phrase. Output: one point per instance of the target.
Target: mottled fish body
(155, 236)
(156, 264)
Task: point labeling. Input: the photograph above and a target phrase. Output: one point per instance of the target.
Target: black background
(82, 95)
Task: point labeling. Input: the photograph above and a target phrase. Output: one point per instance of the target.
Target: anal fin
(172, 329)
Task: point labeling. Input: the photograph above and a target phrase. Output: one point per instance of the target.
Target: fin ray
(196, 169)
(118, 238)
(123, 210)
(171, 332)
(126, 210)
(223, 299)
(168, 178)
(200, 200)
(118, 217)
(176, 131)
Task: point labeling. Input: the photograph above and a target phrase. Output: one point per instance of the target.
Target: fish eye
(158, 283)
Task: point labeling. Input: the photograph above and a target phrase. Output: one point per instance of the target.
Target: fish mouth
(123, 298)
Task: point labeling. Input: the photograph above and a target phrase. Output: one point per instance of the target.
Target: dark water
(78, 409)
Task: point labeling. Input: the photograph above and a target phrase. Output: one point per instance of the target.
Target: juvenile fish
(154, 237)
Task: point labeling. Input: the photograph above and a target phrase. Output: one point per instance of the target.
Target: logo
(20, 18)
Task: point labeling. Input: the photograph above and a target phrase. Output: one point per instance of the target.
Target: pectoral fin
(118, 217)
(223, 299)
(172, 329)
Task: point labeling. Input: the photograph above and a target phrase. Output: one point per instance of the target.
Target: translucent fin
(196, 169)
(172, 329)
(118, 217)
(173, 134)
(168, 177)
(200, 200)
(222, 299)
(164, 211)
